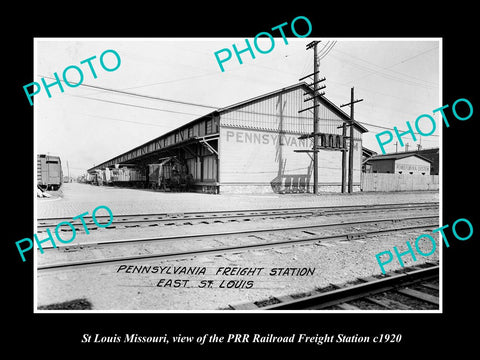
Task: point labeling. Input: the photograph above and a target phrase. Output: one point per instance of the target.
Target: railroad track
(190, 218)
(414, 288)
(135, 250)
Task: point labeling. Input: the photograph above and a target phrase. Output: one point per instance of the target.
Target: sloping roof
(368, 152)
(396, 156)
(327, 103)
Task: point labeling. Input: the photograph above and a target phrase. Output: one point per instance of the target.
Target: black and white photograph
(253, 180)
(173, 177)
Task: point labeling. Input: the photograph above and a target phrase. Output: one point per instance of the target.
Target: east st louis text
(221, 284)
(212, 283)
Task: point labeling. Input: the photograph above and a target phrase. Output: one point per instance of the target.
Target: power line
(387, 128)
(389, 76)
(180, 112)
(137, 106)
(327, 51)
(167, 81)
(387, 95)
(323, 48)
(129, 121)
(414, 56)
(139, 95)
(381, 71)
(388, 68)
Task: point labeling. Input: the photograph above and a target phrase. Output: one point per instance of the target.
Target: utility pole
(314, 92)
(344, 155)
(350, 154)
(315, 119)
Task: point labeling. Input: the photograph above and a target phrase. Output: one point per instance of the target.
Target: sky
(163, 83)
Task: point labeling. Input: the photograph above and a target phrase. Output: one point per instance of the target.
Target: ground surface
(167, 286)
(78, 198)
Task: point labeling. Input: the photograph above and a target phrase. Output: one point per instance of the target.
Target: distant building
(383, 162)
(399, 163)
(432, 155)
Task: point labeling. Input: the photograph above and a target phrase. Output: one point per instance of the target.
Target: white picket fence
(398, 182)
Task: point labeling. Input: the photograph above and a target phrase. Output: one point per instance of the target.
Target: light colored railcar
(49, 172)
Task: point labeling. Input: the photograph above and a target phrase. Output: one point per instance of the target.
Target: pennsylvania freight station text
(222, 271)
(236, 283)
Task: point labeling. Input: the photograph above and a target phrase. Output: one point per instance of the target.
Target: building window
(208, 126)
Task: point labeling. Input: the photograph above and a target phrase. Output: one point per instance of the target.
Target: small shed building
(399, 163)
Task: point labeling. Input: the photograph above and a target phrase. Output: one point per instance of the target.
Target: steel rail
(226, 214)
(338, 296)
(228, 249)
(241, 232)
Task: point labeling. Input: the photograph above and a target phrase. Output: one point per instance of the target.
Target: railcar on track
(168, 174)
(49, 172)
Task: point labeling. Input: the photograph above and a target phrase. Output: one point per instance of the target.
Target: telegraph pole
(314, 97)
(344, 155)
(315, 119)
(350, 151)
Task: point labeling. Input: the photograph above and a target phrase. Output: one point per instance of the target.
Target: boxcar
(49, 172)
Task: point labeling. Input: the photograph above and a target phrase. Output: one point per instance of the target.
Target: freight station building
(259, 145)
(425, 162)
(400, 163)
